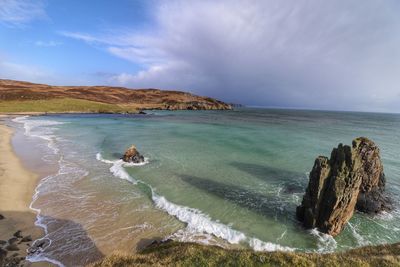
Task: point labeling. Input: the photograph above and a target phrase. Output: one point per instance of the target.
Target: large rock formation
(132, 155)
(352, 177)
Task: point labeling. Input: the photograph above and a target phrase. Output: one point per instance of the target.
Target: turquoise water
(232, 178)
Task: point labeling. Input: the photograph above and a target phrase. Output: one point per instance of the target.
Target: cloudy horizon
(338, 55)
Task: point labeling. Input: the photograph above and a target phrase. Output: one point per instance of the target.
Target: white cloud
(83, 37)
(15, 71)
(47, 43)
(21, 12)
(338, 55)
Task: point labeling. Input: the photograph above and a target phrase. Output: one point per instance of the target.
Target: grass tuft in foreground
(63, 105)
(188, 254)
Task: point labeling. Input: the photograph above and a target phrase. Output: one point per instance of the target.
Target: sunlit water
(231, 178)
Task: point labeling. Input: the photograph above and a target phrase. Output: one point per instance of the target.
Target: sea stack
(352, 178)
(132, 155)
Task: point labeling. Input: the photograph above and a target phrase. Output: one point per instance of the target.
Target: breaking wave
(197, 222)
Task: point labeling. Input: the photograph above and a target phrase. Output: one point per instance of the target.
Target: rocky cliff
(352, 178)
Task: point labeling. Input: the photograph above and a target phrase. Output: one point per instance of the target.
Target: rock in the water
(12, 247)
(371, 198)
(352, 176)
(12, 240)
(13, 261)
(2, 217)
(18, 234)
(132, 155)
(3, 255)
(27, 238)
(38, 246)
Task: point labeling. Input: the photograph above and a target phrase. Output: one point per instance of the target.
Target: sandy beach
(17, 186)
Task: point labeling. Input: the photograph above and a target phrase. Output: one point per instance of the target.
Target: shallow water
(232, 178)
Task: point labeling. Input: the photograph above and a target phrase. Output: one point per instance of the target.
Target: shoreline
(10, 131)
(17, 186)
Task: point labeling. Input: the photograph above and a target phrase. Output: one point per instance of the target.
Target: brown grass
(190, 254)
(144, 98)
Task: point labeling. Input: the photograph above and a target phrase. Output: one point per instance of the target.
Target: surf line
(196, 221)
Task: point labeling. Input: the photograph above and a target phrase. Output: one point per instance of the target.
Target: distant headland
(26, 97)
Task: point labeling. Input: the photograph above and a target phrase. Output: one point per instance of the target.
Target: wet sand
(17, 186)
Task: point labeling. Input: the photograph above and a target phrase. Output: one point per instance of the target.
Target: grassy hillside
(189, 254)
(124, 98)
(63, 105)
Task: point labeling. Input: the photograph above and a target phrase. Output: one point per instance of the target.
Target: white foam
(99, 157)
(259, 245)
(360, 240)
(197, 222)
(185, 235)
(41, 258)
(43, 129)
(125, 164)
(326, 243)
(386, 216)
(40, 129)
(118, 169)
(45, 185)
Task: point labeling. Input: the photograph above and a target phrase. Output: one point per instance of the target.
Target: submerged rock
(38, 246)
(12, 240)
(18, 234)
(352, 177)
(3, 255)
(27, 238)
(132, 155)
(12, 247)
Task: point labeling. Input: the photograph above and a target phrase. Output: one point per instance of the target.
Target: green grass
(62, 105)
(189, 254)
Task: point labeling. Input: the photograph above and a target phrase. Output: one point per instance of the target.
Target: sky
(311, 54)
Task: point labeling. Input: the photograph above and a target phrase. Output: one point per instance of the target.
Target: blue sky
(341, 55)
(36, 41)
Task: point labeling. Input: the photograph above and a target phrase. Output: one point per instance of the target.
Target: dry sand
(17, 186)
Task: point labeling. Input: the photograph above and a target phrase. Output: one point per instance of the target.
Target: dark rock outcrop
(352, 177)
(12, 251)
(27, 238)
(371, 198)
(18, 234)
(132, 155)
(12, 247)
(3, 255)
(38, 246)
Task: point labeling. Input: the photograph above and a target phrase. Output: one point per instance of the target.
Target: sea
(226, 178)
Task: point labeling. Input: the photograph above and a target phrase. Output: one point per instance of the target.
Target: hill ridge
(151, 98)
